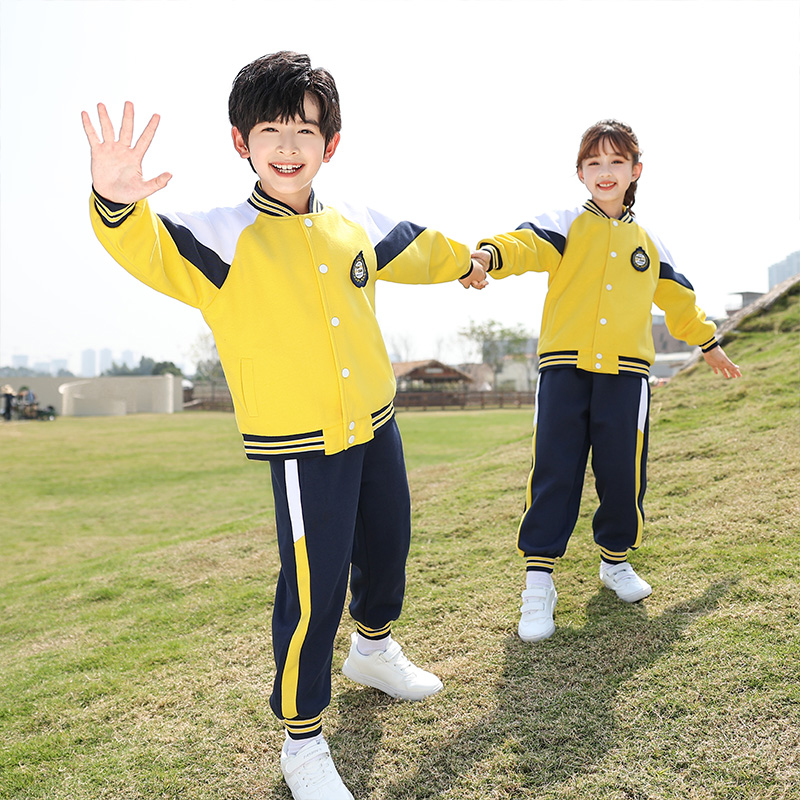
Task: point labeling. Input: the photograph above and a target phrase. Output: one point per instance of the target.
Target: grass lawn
(137, 574)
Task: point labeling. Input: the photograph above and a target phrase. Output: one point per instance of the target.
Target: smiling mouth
(287, 169)
(606, 186)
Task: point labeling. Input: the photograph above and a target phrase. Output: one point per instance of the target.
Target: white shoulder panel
(218, 229)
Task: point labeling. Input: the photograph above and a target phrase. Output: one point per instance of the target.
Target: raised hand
(116, 165)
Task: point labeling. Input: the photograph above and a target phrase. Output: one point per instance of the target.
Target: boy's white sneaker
(621, 579)
(390, 671)
(536, 620)
(311, 774)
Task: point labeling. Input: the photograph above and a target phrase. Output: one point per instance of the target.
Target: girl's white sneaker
(621, 578)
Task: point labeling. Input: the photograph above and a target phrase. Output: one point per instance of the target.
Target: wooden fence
(216, 397)
(422, 401)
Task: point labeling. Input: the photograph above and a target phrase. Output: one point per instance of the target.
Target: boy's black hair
(273, 88)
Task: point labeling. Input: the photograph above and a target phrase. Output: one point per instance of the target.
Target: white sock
(534, 578)
(293, 746)
(368, 646)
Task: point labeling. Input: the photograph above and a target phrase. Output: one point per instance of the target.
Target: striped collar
(590, 205)
(275, 208)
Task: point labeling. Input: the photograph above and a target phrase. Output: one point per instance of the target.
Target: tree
(166, 368)
(496, 342)
(209, 367)
(146, 366)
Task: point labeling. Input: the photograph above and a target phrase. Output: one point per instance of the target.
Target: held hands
(480, 266)
(720, 363)
(116, 166)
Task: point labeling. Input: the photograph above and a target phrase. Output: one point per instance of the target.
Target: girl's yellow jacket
(604, 276)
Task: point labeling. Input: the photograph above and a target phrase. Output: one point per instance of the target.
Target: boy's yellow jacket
(290, 299)
(604, 276)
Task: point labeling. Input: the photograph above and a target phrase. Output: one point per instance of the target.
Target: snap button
(609, 287)
(613, 254)
(598, 366)
(603, 321)
(599, 355)
(345, 373)
(309, 223)
(335, 321)
(351, 439)
(352, 425)
(323, 268)
(615, 224)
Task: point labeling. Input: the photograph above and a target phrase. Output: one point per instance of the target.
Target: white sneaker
(536, 621)
(625, 582)
(311, 774)
(390, 671)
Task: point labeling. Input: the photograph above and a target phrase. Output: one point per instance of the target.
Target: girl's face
(607, 175)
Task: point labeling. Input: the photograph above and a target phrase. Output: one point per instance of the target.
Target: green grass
(136, 581)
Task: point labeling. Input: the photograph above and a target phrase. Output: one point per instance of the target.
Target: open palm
(116, 165)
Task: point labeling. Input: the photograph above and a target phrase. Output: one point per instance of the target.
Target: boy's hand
(719, 362)
(116, 166)
(476, 278)
(483, 258)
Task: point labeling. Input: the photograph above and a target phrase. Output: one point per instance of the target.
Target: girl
(595, 350)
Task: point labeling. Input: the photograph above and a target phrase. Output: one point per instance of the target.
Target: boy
(287, 285)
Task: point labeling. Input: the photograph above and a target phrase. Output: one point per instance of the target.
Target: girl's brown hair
(621, 138)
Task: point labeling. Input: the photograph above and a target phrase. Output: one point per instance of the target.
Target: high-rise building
(127, 359)
(105, 360)
(89, 363)
(787, 268)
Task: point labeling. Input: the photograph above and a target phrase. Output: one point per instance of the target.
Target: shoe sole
(367, 680)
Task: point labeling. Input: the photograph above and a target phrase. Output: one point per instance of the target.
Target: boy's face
(607, 175)
(287, 155)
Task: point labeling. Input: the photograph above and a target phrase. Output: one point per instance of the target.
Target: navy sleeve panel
(667, 273)
(397, 240)
(556, 239)
(204, 258)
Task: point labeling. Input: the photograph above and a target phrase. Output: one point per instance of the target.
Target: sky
(461, 115)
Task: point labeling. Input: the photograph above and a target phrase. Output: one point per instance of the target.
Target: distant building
(787, 268)
(106, 360)
(128, 359)
(426, 376)
(663, 340)
(43, 367)
(739, 300)
(480, 376)
(89, 363)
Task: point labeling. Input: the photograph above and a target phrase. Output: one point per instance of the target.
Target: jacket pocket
(248, 377)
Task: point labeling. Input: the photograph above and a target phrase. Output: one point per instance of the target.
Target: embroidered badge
(640, 260)
(358, 272)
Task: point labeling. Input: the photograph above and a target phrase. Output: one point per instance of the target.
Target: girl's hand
(719, 362)
(476, 278)
(116, 166)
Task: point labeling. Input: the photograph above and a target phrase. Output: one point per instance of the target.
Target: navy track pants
(348, 513)
(577, 411)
